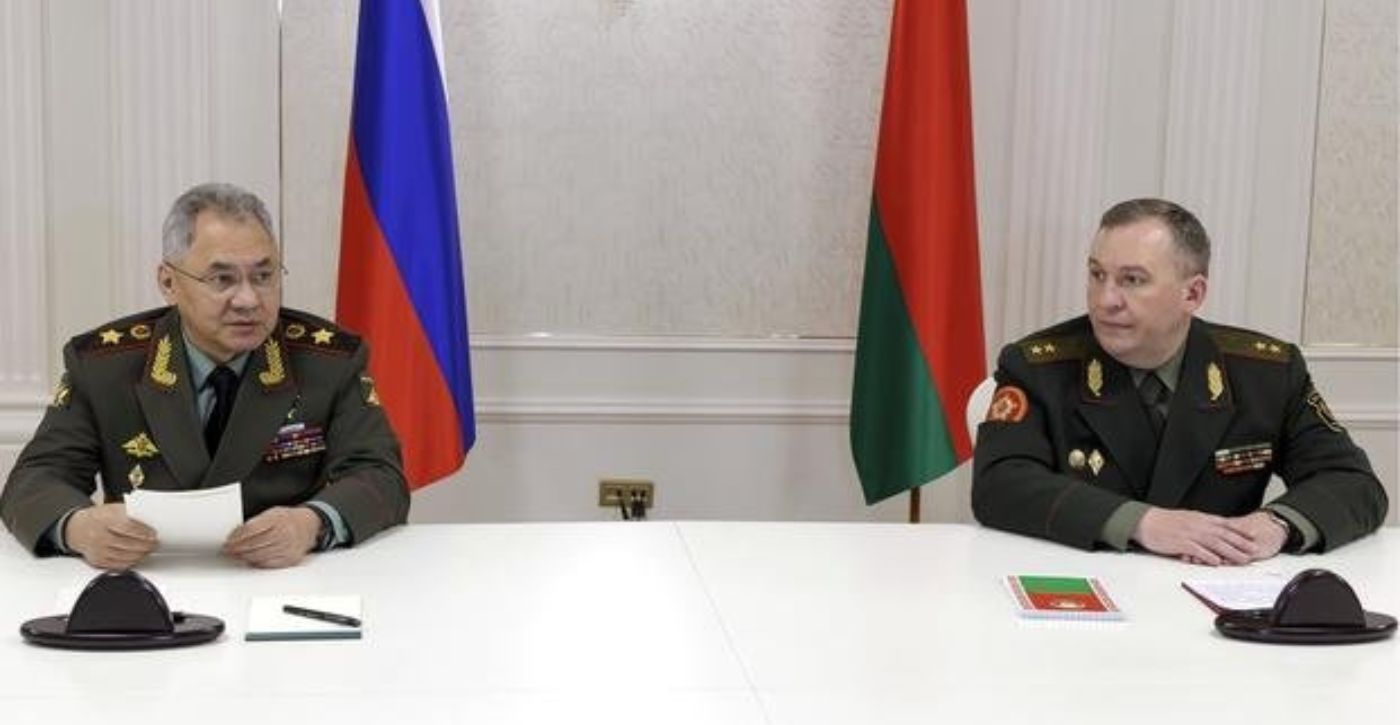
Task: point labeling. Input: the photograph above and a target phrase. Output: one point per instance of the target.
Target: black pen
(331, 617)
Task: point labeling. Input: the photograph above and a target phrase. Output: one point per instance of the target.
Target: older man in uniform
(223, 385)
(1139, 424)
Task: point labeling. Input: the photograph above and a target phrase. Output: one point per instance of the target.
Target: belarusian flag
(920, 350)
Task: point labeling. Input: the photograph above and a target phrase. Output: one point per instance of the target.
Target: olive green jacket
(306, 425)
(1068, 441)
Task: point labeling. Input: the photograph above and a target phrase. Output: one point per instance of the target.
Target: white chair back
(977, 405)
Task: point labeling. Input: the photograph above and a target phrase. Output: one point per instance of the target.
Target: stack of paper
(1229, 595)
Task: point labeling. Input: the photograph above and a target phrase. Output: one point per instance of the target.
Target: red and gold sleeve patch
(1009, 405)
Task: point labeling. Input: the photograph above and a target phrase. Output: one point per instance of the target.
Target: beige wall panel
(627, 168)
(24, 370)
(1354, 259)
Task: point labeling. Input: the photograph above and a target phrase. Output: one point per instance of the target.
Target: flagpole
(914, 505)
(281, 142)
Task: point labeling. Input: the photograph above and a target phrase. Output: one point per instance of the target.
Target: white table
(702, 623)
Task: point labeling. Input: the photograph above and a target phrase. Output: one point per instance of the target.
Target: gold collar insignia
(276, 371)
(1093, 377)
(1215, 382)
(161, 374)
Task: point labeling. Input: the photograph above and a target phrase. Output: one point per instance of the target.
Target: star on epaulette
(307, 333)
(132, 332)
(1046, 350)
(111, 338)
(1242, 343)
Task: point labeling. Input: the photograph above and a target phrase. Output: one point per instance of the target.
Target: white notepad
(267, 622)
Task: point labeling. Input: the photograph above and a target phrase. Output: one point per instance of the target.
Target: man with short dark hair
(223, 385)
(1139, 424)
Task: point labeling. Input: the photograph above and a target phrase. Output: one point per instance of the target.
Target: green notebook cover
(1061, 597)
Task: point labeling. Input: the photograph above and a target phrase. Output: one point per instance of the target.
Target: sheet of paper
(267, 622)
(1250, 593)
(192, 521)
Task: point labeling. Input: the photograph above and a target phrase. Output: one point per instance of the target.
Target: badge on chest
(295, 440)
(1243, 459)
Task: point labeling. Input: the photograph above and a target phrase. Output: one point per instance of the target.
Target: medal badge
(1243, 459)
(295, 440)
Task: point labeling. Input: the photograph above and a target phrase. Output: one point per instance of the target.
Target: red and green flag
(919, 353)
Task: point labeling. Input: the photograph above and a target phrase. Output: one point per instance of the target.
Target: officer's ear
(1194, 294)
(165, 281)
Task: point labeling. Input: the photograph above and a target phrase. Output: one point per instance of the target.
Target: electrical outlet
(614, 491)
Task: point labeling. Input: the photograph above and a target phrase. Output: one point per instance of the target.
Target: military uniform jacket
(306, 424)
(1067, 439)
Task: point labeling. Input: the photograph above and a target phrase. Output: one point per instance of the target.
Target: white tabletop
(702, 623)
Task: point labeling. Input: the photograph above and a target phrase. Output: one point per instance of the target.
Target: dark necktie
(225, 385)
(1155, 396)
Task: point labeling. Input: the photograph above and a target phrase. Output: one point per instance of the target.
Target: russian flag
(401, 280)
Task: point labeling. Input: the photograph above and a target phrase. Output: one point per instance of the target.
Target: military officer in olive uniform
(224, 385)
(1140, 425)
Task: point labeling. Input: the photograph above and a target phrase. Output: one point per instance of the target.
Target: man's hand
(107, 538)
(278, 537)
(1266, 536)
(1195, 537)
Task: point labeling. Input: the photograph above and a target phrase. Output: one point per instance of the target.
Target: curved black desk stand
(1315, 607)
(121, 610)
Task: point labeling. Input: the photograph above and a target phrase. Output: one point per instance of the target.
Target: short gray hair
(1188, 235)
(226, 200)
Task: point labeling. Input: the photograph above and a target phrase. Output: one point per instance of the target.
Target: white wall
(681, 202)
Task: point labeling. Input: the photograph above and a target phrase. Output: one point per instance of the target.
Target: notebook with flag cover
(1061, 597)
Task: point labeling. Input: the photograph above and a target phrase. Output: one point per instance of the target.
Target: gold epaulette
(1244, 343)
(308, 332)
(1052, 349)
(128, 333)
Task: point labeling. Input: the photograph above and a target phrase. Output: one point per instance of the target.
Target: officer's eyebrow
(1125, 269)
(221, 266)
(1134, 269)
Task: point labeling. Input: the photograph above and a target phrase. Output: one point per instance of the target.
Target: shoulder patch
(62, 393)
(1052, 349)
(1244, 343)
(308, 332)
(1319, 406)
(1009, 405)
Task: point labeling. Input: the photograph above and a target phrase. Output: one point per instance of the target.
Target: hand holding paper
(108, 538)
(278, 537)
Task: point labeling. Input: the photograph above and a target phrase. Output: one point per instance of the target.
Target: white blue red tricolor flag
(401, 280)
